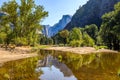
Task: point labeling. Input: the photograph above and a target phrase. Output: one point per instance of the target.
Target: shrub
(21, 41)
(61, 45)
(75, 43)
(100, 47)
(87, 40)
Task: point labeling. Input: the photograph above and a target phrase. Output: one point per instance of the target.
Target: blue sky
(57, 8)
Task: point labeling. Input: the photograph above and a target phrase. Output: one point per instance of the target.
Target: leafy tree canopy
(25, 19)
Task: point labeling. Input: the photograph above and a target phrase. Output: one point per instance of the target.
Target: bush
(2, 37)
(61, 45)
(75, 43)
(21, 41)
(100, 47)
(87, 40)
(50, 41)
(88, 43)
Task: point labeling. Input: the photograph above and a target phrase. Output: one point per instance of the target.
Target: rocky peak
(52, 30)
(91, 13)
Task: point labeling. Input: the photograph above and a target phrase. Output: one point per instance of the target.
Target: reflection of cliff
(50, 60)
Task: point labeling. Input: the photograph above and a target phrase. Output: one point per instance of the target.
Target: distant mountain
(46, 29)
(91, 13)
(50, 31)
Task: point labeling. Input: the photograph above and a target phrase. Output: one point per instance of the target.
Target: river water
(56, 65)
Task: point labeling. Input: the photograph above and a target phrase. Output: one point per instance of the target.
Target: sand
(81, 50)
(22, 52)
(18, 53)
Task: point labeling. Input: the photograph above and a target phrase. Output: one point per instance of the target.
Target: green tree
(46, 41)
(75, 37)
(25, 18)
(75, 34)
(64, 34)
(92, 31)
(110, 28)
(87, 40)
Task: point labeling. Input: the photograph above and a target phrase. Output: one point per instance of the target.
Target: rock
(91, 13)
(50, 31)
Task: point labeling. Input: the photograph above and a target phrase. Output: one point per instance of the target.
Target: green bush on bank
(21, 41)
(61, 45)
(75, 43)
(100, 47)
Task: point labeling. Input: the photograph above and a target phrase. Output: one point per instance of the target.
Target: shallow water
(55, 65)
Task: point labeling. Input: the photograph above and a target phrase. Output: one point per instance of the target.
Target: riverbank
(25, 52)
(80, 50)
(18, 53)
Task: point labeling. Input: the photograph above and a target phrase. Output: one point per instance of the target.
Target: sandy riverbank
(18, 53)
(81, 50)
(22, 52)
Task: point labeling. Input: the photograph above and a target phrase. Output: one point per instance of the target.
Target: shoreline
(18, 53)
(22, 52)
(81, 50)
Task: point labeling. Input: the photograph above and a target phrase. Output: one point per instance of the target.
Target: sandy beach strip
(81, 50)
(19, 53)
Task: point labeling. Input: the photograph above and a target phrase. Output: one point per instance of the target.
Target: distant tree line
(108, 34)
(77, 36)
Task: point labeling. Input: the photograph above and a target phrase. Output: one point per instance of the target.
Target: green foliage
(21, 41)
(99, 41)
(75, 34)
(62, 37)
(4, 34)
(87, 40)
(75, 43)
(110, 28)
(2, 37)
(50, 41)
(25, 18)
(46, 41)
(77, 37)
(92, 31)
(64, 33)
(61, 45)
(100, 47)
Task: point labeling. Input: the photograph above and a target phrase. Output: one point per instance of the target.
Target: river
(56, 65)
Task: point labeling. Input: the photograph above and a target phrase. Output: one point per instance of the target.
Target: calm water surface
(55, 65)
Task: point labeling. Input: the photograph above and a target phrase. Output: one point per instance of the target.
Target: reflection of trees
(19, 70)
(77, 60)
(97, 66)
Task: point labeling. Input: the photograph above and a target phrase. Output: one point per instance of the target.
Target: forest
(107, 36)
(20, 25)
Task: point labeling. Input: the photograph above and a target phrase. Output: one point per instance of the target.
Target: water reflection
(100, 66)
(19, 70)
(55, 65)
(53, 69)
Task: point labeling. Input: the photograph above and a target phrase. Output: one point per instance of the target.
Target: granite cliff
(91, 13)
(50, 31)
